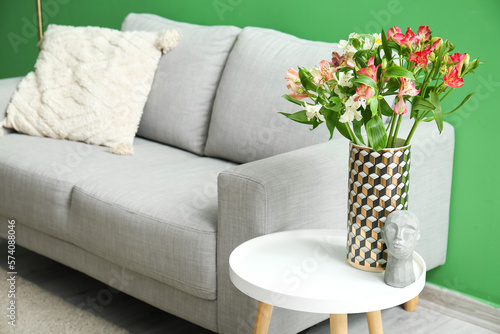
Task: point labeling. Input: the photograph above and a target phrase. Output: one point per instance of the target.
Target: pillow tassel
(167, 40)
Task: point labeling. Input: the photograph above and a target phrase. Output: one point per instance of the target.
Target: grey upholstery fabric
(154, 212)
(37, 176)
(199, 311)
(307, 188)
(245, 123)
(180, 102)
(158, 219)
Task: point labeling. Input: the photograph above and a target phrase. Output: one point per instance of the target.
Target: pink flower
(409, 39)
(421, 58)
(326, 70)
(452, 79)
(407, 88)
(365, 91)
(337, 59)
(435, 44)
(459, 59)
(392, 31)
(400, 107)
(370, 70)
(424, 33)
(294, 85)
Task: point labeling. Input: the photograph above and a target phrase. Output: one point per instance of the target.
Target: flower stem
(395, 135)
(412, 131)
(354, 138)
(392, 123)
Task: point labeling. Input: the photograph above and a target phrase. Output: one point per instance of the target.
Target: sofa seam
(76, 188)
(104, 254)
(264, 190)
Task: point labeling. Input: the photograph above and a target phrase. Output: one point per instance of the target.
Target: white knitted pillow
(90, 84)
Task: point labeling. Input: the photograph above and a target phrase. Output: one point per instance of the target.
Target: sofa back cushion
(245, 123)
(179, 105)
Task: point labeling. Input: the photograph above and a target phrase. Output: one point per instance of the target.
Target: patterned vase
(378, 184)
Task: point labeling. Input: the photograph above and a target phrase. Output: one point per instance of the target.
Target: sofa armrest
(308, 188)
(7, 88)
(305, 189)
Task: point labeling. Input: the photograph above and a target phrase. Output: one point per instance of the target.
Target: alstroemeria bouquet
(348, 92)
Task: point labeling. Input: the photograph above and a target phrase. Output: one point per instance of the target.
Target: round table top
(307, 270)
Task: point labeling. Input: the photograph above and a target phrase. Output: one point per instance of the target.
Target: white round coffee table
(307, 270)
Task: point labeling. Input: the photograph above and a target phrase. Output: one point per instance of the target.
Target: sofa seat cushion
(155, 214)
(246, 124)
(179, 105)
(37, 176)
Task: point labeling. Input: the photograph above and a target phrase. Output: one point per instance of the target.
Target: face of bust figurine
(401, 233)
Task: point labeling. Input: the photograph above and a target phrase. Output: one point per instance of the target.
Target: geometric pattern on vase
(378, 185)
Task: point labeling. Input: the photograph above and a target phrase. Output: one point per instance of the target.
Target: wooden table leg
(411, 305)
(264, 312)
(375, 322)
(338, 323)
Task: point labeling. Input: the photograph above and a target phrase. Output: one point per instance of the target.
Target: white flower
(347, 46)
(339, 93)
(351, 110)
(316, 73)
(313, 111)
(344, 79)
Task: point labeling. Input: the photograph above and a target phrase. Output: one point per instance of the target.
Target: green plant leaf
(366, 81)
(375, 131)
(467, 98)
(331, 120)
(306, 79)
(419, 103)
(458, 107)
(438, 115)
(385, 108)
(294, 100)
(374, 106)
(356, 126)
(342, 128)
(385, 46)
(395, 71)
(299, 117)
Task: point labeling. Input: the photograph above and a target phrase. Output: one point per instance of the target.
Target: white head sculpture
(401, 234)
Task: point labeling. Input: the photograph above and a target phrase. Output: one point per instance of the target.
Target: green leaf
(366, 81)
(306, 79)
(419, 103)
(395, 71)
(385, 108)
(461, 104)
(336, 99)
(355, 42)
(331, 120)
(385, 46)
(293, 100)
(392, 86)
(374, 106)
(451, 112)
(299, 117)
(438, 115)
(356, 126)
(375, 131)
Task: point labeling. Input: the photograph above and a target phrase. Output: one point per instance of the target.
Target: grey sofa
(214, 165)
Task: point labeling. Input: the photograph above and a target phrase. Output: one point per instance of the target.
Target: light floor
(439, 311)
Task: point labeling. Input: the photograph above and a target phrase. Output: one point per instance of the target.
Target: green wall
(473, 263)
